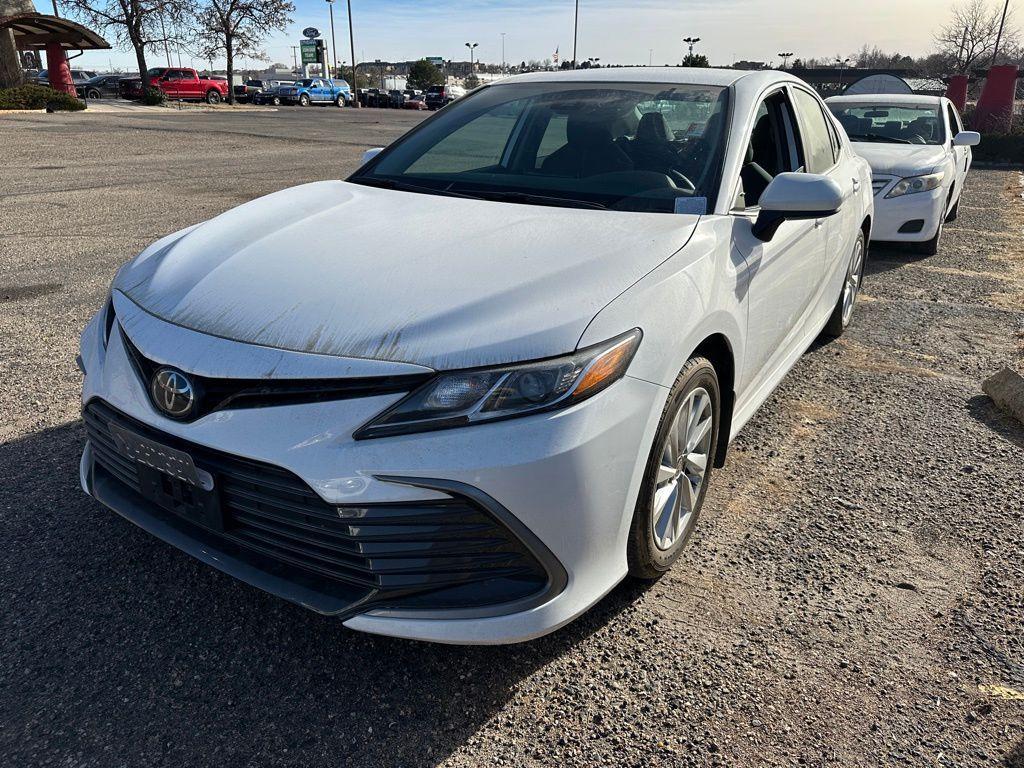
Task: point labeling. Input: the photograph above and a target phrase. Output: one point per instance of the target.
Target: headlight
(915, 184)
(461, 398)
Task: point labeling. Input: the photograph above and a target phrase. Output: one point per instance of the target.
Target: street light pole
(575, 32)
(785, 58)
(691, 41)
(471, 46)
(352, 42)
(503, 53)
(334, 45)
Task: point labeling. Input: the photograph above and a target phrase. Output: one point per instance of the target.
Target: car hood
(343, 269)
(900, 159)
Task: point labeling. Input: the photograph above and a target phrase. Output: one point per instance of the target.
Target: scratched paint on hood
(341, 269)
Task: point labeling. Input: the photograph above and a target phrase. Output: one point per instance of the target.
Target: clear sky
(616, 31)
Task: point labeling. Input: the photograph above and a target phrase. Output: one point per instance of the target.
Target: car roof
(670, 75)
(895, 99)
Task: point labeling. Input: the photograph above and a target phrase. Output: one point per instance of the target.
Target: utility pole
(355, 71)
(295, 59)
(503, 53)
(334, 45)
(650, 57)
(691, 41)
(785, 58)
(167, 48)
(999, 34)
(575, 32)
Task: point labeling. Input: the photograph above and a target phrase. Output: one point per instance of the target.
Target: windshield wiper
(879, 137)
(405, 186)
(529, 198)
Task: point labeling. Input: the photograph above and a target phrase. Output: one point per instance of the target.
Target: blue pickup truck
(316, 90)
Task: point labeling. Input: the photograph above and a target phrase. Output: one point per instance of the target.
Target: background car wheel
(340, 101)
(92, 94)
(843, 312)
(678, 471)
(303, 100)
(212, 97)
(276, 101)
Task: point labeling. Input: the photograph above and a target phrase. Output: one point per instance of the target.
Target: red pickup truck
(186, 84)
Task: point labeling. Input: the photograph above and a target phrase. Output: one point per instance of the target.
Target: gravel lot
(854, 594)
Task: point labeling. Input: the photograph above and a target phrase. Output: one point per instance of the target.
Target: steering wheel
(917, 138)
(681, 180)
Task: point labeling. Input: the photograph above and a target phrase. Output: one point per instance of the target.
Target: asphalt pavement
(854, 594)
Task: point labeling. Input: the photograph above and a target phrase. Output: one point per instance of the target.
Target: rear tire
(276, 101)
(678, 471)
(92, 94)
(340, 101)
(212, 96)
(843, 312)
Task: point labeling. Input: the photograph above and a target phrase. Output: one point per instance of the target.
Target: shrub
(154, 97)
(1000, 148)
(38, 97)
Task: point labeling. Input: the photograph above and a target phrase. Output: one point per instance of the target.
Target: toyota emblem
(173, 393)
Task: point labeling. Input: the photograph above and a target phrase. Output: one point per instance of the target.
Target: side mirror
(369, 154)
(967, 139)
(795, 196)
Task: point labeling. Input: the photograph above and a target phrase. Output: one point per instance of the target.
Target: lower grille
(438, 554)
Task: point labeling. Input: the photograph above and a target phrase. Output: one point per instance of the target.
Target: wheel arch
(718, 350)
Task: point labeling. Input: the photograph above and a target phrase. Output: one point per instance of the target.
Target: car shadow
(117, 644)
(982, 409)
(884, 257)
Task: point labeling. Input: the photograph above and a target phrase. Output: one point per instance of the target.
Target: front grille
(878, 183)
(437, 554)
(216, 394)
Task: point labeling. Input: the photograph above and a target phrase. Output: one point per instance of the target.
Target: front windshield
(891, 124)
(625, 146)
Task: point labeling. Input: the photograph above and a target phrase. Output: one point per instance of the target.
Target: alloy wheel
(684, 464)
(853, 280)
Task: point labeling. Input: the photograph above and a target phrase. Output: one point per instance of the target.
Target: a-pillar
(57, 69)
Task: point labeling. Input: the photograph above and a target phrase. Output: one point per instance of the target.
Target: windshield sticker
(692, 205)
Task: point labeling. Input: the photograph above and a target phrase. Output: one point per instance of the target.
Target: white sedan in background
(471, 435)
(919, 155)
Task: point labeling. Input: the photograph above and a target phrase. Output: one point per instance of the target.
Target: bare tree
(969, 39)
(238, 28)
(138, 23)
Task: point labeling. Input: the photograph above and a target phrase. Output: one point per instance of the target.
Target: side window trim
(779, 106)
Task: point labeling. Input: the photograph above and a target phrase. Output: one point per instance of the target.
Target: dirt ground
(854, 594)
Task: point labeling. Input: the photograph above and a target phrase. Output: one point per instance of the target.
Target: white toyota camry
(473, 434)
(919, 154)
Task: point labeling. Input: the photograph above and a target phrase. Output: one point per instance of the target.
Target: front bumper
(895, 212)
(563, 485)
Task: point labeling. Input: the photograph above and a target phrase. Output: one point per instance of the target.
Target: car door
(170, 83)
(824, 156)
(785, 273)
(962, 156)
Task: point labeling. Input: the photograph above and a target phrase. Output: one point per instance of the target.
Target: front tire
(92, 94)
(678, 471)
(303, 100)
(212, 96)
(843, 312)
(931, 247)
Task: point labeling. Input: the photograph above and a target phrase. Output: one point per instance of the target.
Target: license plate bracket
(171, 480)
